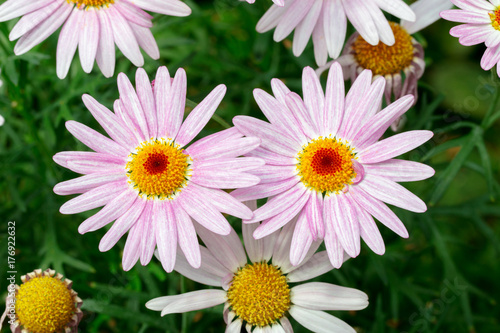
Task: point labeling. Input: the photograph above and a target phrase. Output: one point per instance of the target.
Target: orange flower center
(325, 165)
(495, 19)
(159, 169)
(383, 59)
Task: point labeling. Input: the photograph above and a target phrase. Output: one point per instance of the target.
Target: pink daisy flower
(482, 25)
(94, 26)
(145, 177)
(326, 165)
(401, 64)
(258, 293)
(326, 21)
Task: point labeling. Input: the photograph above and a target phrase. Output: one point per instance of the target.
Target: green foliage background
(444, 278)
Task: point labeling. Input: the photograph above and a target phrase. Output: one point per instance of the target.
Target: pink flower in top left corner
(145, 177)
(94, 26)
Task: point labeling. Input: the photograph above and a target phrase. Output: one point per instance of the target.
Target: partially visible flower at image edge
(94, 26)
(482, 25)
(146, 178)
(259, 293)
(280, 3)
(326, 22)
(401, 64)
(44, 303)
(326, 165)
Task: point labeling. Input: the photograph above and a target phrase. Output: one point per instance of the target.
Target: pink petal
(170, 7)
(95, 140)
(277, 221)
(392, 193)
(113, 210)
(203, 211)
(334, 99)
(89, 40)
(187, 240)
(39, 33)
(124, 37)
(110, 122)
(279, 203)
(85, 183)
(394, 146)
(200, 116)
(272, 138)
(314, 97)
(345, 222)
(68, 42)
(94, 198)
(148, 240)
(302, 239)
(122, 225)
(379, 210)
(132, 104)
(147, 101)
(400, 170)
(132, 249)
(225, 203)
(165, 226)
(105, 56)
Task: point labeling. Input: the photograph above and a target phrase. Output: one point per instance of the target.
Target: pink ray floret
(130, 172)
(92, 26)
(481, 20)
(326, 166)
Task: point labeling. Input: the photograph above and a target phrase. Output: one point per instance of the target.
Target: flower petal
(319, 321)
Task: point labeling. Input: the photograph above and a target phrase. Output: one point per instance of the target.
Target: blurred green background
(444, 278)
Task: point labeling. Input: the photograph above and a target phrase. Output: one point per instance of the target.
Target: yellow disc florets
(91, 3)
(325, 165)
(495, 18)
(383, 59)
(259, 294)
(44, 304)
(159, 169)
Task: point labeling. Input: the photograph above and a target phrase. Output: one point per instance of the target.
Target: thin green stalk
(184, 315)
(490, 113)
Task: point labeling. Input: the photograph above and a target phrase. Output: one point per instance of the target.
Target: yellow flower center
(259, 294)
(91, 3)
(159, 169)
(383, 59)
(44, 305)
(325, 165)
(495, 19)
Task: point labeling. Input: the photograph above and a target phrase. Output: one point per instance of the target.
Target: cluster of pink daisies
(321, 160)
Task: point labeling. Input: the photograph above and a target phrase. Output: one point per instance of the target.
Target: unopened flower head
(481, 20)
(263, 290)
(326, 22)
(92, 26)
(45, 303)
(146, 178)
(326, 166)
